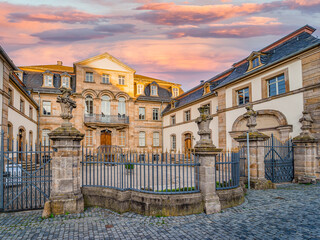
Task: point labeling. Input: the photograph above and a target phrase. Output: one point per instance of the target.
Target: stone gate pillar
(207, 153)
(306, 160)
(256, 151)
(65, 193)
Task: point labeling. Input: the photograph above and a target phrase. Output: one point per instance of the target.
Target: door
(105, 138)
(187, 144)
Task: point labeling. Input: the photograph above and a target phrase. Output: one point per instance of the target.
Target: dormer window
(154, 90)
(48, 79)
(65, 82)
(254, 60)
(206, 88)
(140, 89)
(175, 92)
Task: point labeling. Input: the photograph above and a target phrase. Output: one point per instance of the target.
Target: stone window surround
(22, 106)
(43, 108)
(142, 139)
(44, 80)
(120, 79)
(143, 116)
(108, 76)
(184, 115)
(153, 139)
(142, 88)
(85, 79)
(173, 116)
(158, 114)
(156, 89)
(235, 95)
(69, 80)
(264, 82)
(173, 142)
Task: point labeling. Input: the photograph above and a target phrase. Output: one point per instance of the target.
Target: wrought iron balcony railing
(106, 119)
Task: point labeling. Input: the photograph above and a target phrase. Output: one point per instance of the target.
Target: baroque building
(281, 81)
(115, 106)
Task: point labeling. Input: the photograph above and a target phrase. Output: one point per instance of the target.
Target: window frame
(43, 108)
(86, 106)
(45, 80)
(173, 120)
(173, 142)
(91, 79)
(157, 114)
(175, 92)
(120, 106)
(121, 80)
(45, 138)
(206, 88)
(185, 115)
(142, 116)
(22, 106)
(122, 138)
(89, 137)
(235, 93)
(142, 138)
(153, 87)
(105, 78)
(63, 77)
(11, 97)
(264, 83)
(156, 139)
(140, 90)
(30, 112)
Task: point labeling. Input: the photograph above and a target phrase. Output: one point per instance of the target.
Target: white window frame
(65, 81)
(46, 105)
(121, 80)
(88, 107)
(45, 137)
(122, 106)
(187, 115)
(173, 142)
(48, 80)
(244, 91)
(175, 92)
(154, 90)
(89, 77)
(156, 139)
(142, 139)
(276, 83)
(142, 113)
(105, 78)
(140, 88)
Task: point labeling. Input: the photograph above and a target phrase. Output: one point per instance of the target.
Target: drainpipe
(161, 125)
(38, 130)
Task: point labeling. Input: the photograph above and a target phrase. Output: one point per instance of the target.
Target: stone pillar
(65, 193)
(207, 152)
(256, 151)
(306, 160)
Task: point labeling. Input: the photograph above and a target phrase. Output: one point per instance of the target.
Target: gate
(278, 160)
(25, 176)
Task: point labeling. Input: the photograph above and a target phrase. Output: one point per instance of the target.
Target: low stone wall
(231, 197)
(143, 203)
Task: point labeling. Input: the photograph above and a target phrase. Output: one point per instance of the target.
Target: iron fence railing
(158, 173)
(25, 175)
(227, 170)
(101, 118)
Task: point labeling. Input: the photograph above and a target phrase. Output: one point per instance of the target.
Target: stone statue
(306, 121)
(203, 123)
(67, 104)
(251, 117)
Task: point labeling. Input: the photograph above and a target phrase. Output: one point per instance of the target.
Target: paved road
(289, 212)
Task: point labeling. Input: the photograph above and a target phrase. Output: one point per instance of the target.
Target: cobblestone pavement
(289, 212)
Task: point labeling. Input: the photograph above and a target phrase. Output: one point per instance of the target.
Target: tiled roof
(287, 49)
(53, 68)
(34, 81)
(138, 77)
(164, 95)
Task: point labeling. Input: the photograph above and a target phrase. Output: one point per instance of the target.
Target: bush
(129, 166)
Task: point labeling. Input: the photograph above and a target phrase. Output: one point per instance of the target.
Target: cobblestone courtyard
(289, 212)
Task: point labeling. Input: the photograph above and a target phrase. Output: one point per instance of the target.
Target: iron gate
(25, 175)
(279, 160)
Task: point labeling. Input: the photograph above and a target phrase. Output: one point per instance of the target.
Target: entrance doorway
(105, 139)
(187, 144)
(21, 143)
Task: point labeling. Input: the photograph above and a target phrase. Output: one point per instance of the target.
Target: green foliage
(67, 213)
(223, 184)
(51, 215)
(129, 166)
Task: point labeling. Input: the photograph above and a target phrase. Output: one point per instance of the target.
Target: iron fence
(25, 175)
(158, 173)
(227, 170)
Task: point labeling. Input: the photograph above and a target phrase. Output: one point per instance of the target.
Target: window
(243, 96)
(276, 85)
(122, 106)
(65, 82)
(139, 89)
(89, 138)
(30, 112)
(46, 106)
(10, 136)
(89, 105)
(155, 114)
(21, 105)
(142, 113)
(154, 90)
(156, 139)
(48, 80)
(173, 120)
(121, 80)
(105, 105)
(45, 137)
(105, 78)
(30, 138)
(206, 88)
(10, 97)
(255, 62)
(175, 92)
(142, 139)
(122, 138)
(89, 77)
(173, 142)
(187, 116)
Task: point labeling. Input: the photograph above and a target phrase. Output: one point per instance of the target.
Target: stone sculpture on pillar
(306, 125)
(251, 117)
(65, 193)
(207, 152)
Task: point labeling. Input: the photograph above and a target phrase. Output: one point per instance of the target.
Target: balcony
(101, 120)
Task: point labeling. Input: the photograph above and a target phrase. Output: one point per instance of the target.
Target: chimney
(59, 63)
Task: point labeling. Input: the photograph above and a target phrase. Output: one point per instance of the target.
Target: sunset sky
(179, 41)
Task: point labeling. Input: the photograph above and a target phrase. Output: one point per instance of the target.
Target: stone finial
(66, 103)
(204, 131)
(306, 121)
(251, 117)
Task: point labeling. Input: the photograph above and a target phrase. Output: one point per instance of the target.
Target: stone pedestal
(257, 153)
(306, 161)
(206, 178)
(65, 192)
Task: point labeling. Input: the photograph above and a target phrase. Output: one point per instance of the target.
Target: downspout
(38, 130)
(162, 126)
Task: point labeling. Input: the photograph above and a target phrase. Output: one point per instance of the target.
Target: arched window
(122, 106)
(173, 142)
(105, 105)
(89, 105)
